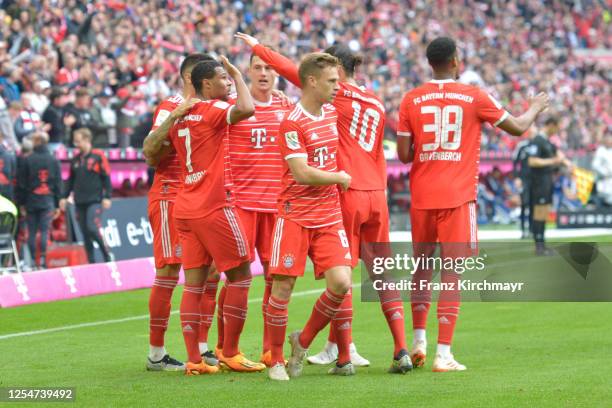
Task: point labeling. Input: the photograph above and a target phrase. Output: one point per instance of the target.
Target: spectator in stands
(83, 112)
(6, 126)
(89, 180)
(10, 78)
(8, 170)
(39, 192)
(105, 115)
(602, 165)
(58, 118)
(28, 121)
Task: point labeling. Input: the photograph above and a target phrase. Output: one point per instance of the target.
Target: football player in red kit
(361, 123)
(439, 131)
(166, 246)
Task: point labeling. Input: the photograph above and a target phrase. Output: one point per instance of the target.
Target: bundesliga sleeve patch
(292, 139)
(162, 115)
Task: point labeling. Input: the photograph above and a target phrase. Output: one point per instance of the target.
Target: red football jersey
(168, 172)
(361, 126)
(200, 140)
(444, 119)
(255, 158)
(316, 139)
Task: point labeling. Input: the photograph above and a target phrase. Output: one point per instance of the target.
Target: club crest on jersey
(178, 251)
(280, 116)
(314, 136)
(288, 261)
(334, 129)
(292, 139)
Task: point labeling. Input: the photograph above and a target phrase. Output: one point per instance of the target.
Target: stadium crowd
(67, 64)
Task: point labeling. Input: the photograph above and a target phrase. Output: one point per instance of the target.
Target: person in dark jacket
(39, 192)
(8, 170)
(57, 116)
(90, 182)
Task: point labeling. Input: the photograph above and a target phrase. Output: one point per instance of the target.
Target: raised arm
(516, 126)
(244, 107)
(281, 64)
(156, 144)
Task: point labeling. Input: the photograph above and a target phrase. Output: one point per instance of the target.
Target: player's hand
(106, 203)
(62, 204)
(345, 180)
(248, 39)
(285, 100)
(184, 107)
(231, 69)
(541, 101)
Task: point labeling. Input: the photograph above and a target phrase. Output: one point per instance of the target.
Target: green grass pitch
(517, 354)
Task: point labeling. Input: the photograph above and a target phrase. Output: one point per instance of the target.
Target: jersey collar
(315, 118)
(442, 81)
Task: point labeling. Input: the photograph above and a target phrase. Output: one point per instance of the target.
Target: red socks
(323, 311)
(190, 320)
(341, 325)
(276, 321)
(220, 324)
(264, 306)
(393, 309)
(159, 308)
(448, 309)
(234, 314)
(207, 307)
(420, 299)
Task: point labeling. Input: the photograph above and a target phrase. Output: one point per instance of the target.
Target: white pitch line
(131, 318)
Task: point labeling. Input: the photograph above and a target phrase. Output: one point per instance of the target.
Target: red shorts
(366, 219)
(455, 227)
(218, 237)
(258, 227)
(327, 247)
(166, 242)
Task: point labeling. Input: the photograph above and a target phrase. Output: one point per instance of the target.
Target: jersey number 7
(187, 135)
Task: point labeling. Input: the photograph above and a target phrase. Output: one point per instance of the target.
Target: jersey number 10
(442, 127)
(368, 114)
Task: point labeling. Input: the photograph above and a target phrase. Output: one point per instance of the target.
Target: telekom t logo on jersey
(259, 136)
(321, 155)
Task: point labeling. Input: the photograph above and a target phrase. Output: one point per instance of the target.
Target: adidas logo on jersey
(443, 320)
(252, 119)
(187, 328)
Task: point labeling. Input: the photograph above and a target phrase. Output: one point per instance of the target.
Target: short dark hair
(346, 56)
(441, 51)
(192, 60)
(551, 121)
(203, 70)
(85, 133)
(313, 63)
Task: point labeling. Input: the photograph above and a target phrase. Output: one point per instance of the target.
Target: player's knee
(168, 271)
(195, 276)
(241, 272)
(282, 287)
